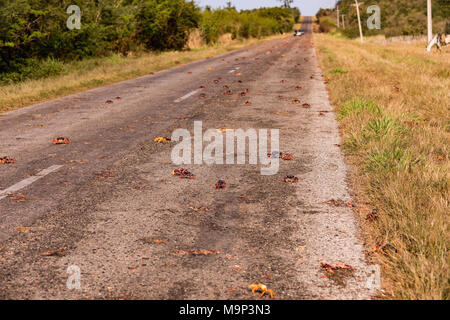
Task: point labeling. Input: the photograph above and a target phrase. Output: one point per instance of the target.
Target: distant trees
(398, 17)
(248, 23)
(286, 3)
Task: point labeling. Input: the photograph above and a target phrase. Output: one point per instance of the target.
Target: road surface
(108, 204)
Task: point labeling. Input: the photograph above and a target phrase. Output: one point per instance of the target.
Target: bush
(326, 25)
(34, 69)
(165, 24)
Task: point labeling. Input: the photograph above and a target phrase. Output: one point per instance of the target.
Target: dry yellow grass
(97, 72)
(393, 106)
(195, 40)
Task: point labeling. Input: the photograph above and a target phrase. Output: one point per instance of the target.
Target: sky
(307, 7)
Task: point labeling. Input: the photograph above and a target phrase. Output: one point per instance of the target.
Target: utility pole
(337, 8)
(343, 21)
(359, 19)
(430, 21)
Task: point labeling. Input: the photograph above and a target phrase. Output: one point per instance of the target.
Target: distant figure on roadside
(440, 40)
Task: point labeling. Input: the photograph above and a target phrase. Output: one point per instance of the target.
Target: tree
(287, 3)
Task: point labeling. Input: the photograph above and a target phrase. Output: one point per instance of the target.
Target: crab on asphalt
(262, 288)
(161, 140)
(61, 140)
(6, 160)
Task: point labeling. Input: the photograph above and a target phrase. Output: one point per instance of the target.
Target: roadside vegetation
(392, 103)
(36, 43)
(40, 58)
(398, 18)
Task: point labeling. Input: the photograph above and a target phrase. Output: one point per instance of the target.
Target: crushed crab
(331, 268)
(6, 160)
(161, 140)
(183, 174)
(290, 179)
(277, 154)
(221, 184)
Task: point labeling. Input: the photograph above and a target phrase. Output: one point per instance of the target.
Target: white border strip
(190, 94)
(24, 183)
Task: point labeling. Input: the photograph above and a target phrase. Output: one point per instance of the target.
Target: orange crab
(261, 287)
(161, 140)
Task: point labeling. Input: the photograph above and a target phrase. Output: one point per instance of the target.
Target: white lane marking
(231, 71)
(24, 183)
(186, 96)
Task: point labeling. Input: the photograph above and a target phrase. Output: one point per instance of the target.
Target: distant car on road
(298, 33)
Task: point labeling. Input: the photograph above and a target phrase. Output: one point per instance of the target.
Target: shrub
(326, 25)
(166, 24)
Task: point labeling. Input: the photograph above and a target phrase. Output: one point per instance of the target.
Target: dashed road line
(24, 183)
(186, 96)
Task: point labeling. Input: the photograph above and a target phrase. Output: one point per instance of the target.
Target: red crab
(61, 140)
(286, 156)
(290, 179)
(6, 160)
(183, 174)
(221, 184)
(331, 268)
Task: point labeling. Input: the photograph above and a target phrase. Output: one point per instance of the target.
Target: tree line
(398, 17)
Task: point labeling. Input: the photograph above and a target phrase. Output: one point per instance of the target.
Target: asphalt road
(109, 204)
